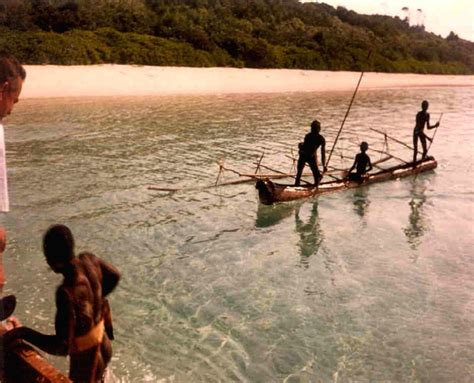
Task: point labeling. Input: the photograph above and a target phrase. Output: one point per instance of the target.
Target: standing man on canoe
(307, 153)
(83, 321)
(422, 119)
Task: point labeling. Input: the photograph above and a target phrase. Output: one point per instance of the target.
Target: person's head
(364, 146)
(315, 126)
(58, 247)
(12, 75)
(424, 105)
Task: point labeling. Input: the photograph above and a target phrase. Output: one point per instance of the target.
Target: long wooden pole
(345, 117)
(434, 134)
(392, 138)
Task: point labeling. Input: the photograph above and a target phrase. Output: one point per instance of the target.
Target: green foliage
(257, 33)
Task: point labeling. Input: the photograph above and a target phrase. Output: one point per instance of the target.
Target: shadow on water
(361, 201)
(417, 223)
(311, 235)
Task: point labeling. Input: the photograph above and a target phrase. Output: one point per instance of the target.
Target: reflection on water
(216, 289)
(310, 234)
(269, 215)
(417, 222)
(361, 201)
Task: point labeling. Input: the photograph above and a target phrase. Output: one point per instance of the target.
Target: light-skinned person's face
(9, 96)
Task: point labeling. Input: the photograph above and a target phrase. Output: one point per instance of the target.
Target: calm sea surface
(371, 285)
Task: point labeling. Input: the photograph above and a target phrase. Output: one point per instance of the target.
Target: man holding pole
(307, 153)
(422, 119)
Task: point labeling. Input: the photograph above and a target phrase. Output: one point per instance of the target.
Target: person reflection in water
(361, 163)
(310, 233)
(361, 201)
(422, 119)
(416, 220)
(307, 153)
(83, 320)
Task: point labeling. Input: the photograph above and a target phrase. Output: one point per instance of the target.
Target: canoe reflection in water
(269, 215)
(311, 235)
(417, 223)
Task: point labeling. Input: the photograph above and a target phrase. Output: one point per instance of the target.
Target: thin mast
(345, 117)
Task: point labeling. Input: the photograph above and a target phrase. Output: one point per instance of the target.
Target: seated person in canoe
(361, 163)
(422, 119)
(307, 153)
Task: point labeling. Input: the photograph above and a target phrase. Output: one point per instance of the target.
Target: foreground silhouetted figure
(307, 153)
(422, 119)
(83, 320)
(361, 163)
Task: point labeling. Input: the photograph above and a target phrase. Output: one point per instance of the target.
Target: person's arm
(353, 165)
(369, 164)
(110, 277)
(52, 344)
(428, 122)
(323, 155)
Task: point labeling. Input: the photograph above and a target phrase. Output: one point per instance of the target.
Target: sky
(438, 16)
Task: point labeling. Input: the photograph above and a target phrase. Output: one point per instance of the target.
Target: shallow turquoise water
(361, 286)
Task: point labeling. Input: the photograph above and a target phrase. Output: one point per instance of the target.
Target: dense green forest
(237, 33)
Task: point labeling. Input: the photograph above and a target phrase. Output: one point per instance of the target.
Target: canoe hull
(270, 192)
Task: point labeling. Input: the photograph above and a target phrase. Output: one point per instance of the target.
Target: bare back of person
(82, 295)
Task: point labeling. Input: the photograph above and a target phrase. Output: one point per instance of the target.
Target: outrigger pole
(347, 113)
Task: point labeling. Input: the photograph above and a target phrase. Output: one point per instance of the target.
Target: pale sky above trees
(438, 16)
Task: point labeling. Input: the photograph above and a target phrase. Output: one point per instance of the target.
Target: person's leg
(415, 147)
(423, 144)
(300, 167)
(315, 170)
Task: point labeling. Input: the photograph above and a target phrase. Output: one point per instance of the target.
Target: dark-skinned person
(422, 120)
(83, 320)
(307, 153)
(361, 164)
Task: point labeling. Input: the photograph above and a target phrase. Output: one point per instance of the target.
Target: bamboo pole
(391, 155)
(259, 162)
(345, 117)
(392, 138)
(279, 172)
(434, 134)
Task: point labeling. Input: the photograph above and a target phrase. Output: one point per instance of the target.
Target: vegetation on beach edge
(220, 33)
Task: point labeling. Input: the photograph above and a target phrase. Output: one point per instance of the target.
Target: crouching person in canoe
(83, 320)
(307, 153)
(361, 163)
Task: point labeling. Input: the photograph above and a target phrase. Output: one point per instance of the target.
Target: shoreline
(52, 81)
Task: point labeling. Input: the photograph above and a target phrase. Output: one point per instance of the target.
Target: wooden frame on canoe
(270, 192)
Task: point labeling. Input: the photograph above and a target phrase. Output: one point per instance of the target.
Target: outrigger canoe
(271, 192)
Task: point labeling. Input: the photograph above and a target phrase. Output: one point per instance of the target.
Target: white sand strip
(127, 80)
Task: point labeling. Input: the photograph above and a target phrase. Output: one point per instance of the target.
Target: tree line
(237, 33)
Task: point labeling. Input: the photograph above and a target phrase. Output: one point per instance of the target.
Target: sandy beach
(127, 80)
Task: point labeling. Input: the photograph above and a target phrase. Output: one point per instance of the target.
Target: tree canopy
(239, 33)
